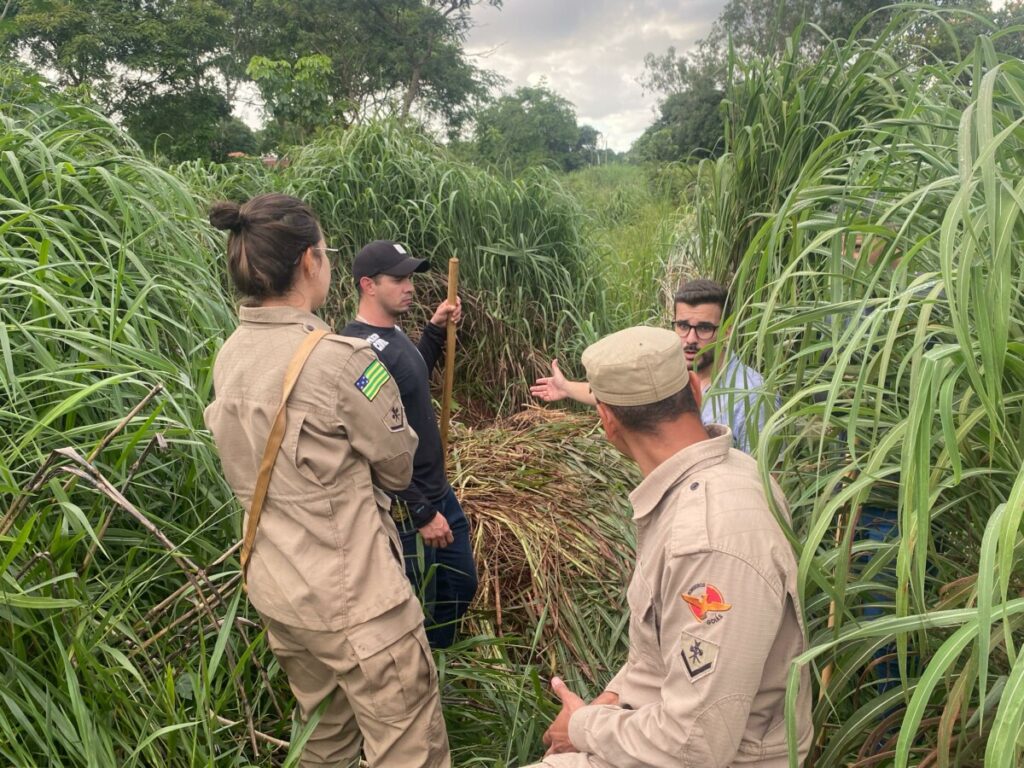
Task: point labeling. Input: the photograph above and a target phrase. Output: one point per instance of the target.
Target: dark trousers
(881, 525)
(445, 579)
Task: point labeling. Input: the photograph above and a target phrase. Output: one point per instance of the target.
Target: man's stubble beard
(702, 361)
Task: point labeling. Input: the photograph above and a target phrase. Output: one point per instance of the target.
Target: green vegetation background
(126, 639)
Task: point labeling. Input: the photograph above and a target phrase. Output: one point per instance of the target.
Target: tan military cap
(636, 366)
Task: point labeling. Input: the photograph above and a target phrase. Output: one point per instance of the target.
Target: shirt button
(309, 327)
(695, 486)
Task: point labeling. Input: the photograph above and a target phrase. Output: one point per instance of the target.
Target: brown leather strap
(277, 431)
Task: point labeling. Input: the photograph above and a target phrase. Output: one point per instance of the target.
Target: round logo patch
(706, 603)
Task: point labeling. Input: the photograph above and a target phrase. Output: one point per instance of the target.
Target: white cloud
(589, 51)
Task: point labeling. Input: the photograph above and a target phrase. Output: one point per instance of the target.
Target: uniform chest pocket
(644, 621)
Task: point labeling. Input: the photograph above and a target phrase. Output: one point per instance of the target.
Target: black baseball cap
(386, 257)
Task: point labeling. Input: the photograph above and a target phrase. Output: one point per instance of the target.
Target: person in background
(427, 511)
(325, 572)
(732, 391)
(715, 618)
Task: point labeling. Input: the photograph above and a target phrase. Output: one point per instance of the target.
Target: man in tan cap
(715, 619)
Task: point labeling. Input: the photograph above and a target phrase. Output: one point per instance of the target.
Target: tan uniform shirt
(327, 554)
(714, 624)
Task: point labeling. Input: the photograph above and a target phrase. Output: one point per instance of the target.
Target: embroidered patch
(374, 377)
(704, 600)
(698, 655)
(394, 419)
(376, 342)
(400, 511)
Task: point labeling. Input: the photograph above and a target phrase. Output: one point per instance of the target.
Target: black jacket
(411, 365)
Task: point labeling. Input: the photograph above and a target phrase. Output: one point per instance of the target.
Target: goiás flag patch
(374, 377)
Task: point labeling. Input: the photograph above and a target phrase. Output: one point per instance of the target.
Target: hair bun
(227, 215)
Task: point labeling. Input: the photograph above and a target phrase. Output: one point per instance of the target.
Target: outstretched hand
(556, 737)
(447, 312)
(551, 388)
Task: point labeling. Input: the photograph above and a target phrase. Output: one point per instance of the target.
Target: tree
(692, 85)
(143, 61)
(534, 126)
(1012, 14)
(760, 27)
(689, 121)
(296, 95)
(690, 125)
(149, 65)
(386, 56)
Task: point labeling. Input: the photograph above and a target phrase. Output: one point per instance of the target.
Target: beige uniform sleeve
(713, 648)
(371, 413)
(615, 684)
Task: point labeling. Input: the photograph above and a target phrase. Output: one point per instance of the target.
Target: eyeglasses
(704, 331)
(331, 250)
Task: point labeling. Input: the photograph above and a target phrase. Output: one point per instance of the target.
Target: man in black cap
(433, 527)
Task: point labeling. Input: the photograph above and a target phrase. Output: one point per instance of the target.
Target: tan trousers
(385, 702)
(571, 760)
(582, 760)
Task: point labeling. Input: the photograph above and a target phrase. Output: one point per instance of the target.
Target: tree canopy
(386, 56)
(169, 70)
(692, 84)
(151, 65)
(534, 126)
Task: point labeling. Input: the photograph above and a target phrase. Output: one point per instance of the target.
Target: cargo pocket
(400, 677)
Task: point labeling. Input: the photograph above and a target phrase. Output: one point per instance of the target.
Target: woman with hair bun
(310, 428)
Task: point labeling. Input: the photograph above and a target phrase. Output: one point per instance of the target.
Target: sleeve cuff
(432, 330)
(578, 727)
(422, 515)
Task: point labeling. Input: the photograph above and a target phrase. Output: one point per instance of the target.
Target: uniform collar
(706, 453)
(281, 316)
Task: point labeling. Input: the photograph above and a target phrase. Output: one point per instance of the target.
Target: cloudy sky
(589, 51)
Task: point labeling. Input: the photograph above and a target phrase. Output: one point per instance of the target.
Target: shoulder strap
(274, 444)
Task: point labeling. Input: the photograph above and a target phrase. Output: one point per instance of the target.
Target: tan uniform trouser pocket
(401, 676)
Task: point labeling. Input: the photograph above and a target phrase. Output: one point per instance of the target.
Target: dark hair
(647, 418)
(703, 291)
(359, 288)
(268, 235)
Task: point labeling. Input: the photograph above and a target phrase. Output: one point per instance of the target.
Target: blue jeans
(881, 524)
(445, 579)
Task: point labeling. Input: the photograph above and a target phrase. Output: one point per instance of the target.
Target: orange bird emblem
(709, 602)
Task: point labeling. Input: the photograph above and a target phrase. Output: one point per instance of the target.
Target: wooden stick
(258, 734)
(449, 359)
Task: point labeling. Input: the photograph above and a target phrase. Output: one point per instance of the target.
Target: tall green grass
(532, 283)
(900, 381)
(632, 221)
(125, 638)
(112, 310)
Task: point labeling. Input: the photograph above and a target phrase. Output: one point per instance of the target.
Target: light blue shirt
(734, 397)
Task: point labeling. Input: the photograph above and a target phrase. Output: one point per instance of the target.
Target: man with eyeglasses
(736, 399)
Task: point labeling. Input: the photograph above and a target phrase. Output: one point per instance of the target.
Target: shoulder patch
(698, 656)
(394, 419)
(376, 342)
(373, 378)
(706, 603)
